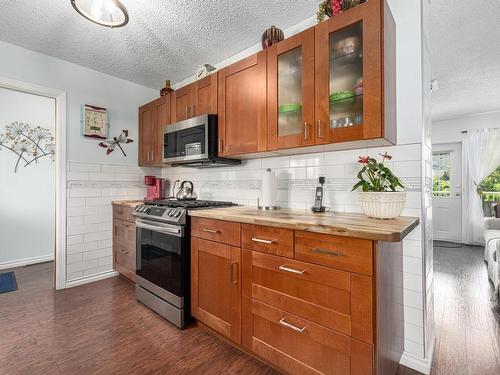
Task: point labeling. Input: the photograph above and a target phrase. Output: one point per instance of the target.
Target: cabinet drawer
(227, 232)
(332, 298)
(124, 255)
(344, 253)
(267, 239)
(299, 346)
(122, 212)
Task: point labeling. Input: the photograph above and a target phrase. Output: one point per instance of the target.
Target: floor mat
(447, 244)
(8, 282)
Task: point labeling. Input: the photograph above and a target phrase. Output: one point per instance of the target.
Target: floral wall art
(29, 143)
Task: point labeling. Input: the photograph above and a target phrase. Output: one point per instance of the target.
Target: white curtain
(482, 157)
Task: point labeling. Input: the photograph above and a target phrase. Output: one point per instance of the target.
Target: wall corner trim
(422, 365)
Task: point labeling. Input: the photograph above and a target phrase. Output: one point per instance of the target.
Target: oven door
(186, 140)
(162, 260)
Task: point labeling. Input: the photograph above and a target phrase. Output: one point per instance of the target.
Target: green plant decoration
(375, 176)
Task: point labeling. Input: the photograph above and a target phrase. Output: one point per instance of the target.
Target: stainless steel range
(162, 281)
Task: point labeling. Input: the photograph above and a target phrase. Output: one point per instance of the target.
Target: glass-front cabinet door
(290, 67)
(348, 75)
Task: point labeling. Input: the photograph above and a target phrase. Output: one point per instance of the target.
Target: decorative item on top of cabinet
(272, 36)
(290, 90)
(355, 74)
(195, 99)
(204, 71)
(168, 88)
(242, 103)
(152, 118)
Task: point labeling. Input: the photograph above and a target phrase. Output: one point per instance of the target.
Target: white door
(447, 191)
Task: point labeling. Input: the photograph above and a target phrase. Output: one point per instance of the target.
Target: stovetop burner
(190, 204)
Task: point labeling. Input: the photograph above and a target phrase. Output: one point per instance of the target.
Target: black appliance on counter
(194, 143)
(163, 261)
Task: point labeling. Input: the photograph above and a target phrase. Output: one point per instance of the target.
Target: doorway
(447, 192)
(30, 142)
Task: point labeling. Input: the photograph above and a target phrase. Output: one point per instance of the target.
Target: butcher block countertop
(340, 224)
(128, 203)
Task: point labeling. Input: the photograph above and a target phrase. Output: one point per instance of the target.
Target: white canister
(269, 189)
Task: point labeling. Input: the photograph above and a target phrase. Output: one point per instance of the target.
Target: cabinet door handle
(221, 145)
(152, 155)
(116, 230)
(235, 280)
(124, 251)
(320, 129)
(291, 270)
(255, 239)
(210, 230)
(306, 131)
(327, 252)
(194, 110)
(284, 323)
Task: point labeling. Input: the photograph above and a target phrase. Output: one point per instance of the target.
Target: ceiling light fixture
(109, 13)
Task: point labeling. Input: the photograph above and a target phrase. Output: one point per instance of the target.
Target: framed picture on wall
(94, 121)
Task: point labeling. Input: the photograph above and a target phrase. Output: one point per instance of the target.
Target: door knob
(457, 194)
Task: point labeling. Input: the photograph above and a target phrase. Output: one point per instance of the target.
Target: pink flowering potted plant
(379, 197)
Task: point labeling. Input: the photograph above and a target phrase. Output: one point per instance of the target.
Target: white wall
(449, 131)
(94, 178)
(27, 197)
(83, 86)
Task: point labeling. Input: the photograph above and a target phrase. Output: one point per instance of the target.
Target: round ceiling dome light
(109, 13)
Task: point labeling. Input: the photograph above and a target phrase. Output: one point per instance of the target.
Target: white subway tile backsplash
(306, 160)
(276, 162)
(332, 171)
(343, 157)
(73, 240)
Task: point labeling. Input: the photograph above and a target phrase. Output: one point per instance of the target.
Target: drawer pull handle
(255, 239)
(327, 252)
(124, 251)
(284, 323)
(210, 230)
(235, 275)
(291, 270)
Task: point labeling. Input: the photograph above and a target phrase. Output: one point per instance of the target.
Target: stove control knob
(177, 213)
(170, 212)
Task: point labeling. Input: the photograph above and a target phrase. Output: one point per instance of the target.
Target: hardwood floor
(99, 328)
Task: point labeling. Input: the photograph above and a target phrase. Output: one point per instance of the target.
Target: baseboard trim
(26, 262)
(422, 365)
(90, 279)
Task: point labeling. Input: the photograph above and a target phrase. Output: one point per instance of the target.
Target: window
(489, 189)
(441, 186)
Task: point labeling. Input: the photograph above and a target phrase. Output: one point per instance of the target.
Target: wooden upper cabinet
(152, 118)
(216, 286)
(348, 75)
(148, 133)
(206, 96)
(195, 99)
(290, 92)
(182, 103)
(242, 106)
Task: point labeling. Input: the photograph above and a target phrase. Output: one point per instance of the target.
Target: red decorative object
(164, 91)
(110, 144)
(336, 6)
(363, 159)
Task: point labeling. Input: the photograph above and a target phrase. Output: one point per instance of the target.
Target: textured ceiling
(165, 39)
(465, 56)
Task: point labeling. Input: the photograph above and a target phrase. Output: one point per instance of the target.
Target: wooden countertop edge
(346, 231)
(128, 203)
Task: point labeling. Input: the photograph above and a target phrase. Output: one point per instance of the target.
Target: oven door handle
(159, 227)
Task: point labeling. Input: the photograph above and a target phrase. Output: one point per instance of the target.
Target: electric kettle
(186, 193)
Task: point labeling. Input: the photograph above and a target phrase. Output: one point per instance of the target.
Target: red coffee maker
(155, 188)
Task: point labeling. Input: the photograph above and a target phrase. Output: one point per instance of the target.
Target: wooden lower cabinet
(326, 305)
(124, 244)
(216, 286)
(300, 346)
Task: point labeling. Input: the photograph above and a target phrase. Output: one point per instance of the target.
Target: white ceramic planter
(383, 205)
